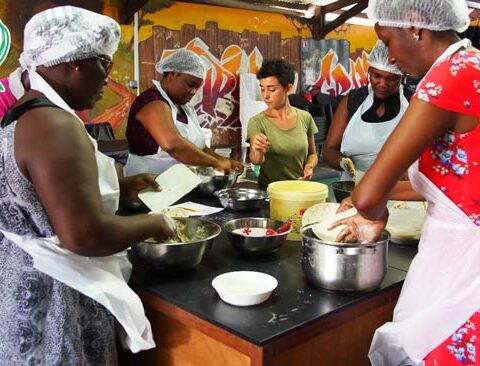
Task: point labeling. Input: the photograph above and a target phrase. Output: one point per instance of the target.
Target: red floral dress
(452, 163)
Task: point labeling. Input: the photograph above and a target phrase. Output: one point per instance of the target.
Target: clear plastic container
(289, 199)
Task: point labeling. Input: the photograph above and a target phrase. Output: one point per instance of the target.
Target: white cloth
(67, 33)
(378, 58)
(161, 161)
(437, 15)
(362, 141)
(100, 278)
(15, 83)
(442, 288)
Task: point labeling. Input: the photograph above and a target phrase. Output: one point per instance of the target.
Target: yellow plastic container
(290, 198)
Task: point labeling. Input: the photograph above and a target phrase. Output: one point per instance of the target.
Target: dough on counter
(174, 212)
(321, 229)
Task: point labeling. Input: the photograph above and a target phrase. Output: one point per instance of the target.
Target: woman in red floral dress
(435, 321)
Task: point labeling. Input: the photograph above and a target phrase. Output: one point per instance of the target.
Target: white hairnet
(436, 15)
(183, 61)
(68, 33)
(378, 58)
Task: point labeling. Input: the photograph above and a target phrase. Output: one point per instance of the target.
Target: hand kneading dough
(321, 229)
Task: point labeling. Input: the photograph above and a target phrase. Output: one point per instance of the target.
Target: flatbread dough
(321, 229)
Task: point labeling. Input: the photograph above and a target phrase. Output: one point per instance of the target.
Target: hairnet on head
(378, 58)
(68, 33)
(436, 15)
(183, 61)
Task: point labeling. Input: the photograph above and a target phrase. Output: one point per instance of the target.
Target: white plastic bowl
(244, 288)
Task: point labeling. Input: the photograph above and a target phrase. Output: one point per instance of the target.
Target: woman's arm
(54, 153)
(312, 159)
(331, 149)
(233, 164)
(421, 124)
(156, 117)
(259, 143)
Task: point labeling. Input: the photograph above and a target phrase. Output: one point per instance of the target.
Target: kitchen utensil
(212, 180)
(244, 288)
(238, 199)
(342, 189)
(175, 182)
(343, 267)
(175, 257)
(255, 245)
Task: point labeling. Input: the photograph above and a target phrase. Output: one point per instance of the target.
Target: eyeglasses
(107, 64)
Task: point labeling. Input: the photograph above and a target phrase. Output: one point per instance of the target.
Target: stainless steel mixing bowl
(238, 199)
(211, 182)
(251, 245)
(344, 267)
(174, 257)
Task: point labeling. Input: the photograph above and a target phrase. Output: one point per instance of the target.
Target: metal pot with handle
(344, 267)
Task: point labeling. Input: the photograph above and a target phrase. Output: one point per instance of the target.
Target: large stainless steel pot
(344, 267)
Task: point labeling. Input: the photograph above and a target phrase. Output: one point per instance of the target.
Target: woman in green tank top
(281, 137)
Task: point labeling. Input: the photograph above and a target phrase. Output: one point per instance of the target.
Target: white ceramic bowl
(244, 288)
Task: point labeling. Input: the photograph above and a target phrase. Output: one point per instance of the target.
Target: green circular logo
(5, 41)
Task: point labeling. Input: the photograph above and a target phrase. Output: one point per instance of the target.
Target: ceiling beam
(320, 28)
(273, 7)
(129, 8)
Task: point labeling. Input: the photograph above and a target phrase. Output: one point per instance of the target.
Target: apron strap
(15, 113)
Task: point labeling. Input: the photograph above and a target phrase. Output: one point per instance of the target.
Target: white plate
(244, 288)
(319, 212)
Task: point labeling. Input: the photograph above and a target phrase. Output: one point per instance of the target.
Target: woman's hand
(346, 204)
(259, 143)
(360, 229)
(130, 186)
(307, 172)
(237, 166)
(166, 228)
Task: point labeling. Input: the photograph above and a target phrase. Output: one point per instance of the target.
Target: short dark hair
(280, 68)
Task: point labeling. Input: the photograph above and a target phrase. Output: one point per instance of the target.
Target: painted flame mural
(217, 104)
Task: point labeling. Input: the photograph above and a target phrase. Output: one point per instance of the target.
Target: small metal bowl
(176, 257)
(211, 182)
(342, 189)
(238, 199)
(255, 245)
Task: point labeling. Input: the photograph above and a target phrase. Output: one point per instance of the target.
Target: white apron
(442, 288)
(161, 161)
(362, 141)
(101, 278)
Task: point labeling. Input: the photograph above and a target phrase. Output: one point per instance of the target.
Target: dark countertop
(294, 302)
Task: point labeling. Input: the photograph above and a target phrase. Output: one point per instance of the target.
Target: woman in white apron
(64, 294)
(163, 128)
(436, 320)
(357, 136)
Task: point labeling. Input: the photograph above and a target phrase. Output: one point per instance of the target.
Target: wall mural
(231, 41)
(327, 68)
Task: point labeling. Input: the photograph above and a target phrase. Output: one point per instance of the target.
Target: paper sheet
(176, 182)
(196, 209)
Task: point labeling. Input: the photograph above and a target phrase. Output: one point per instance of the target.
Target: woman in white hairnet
(366, 116)
(63, 266)
(436, 320)
(163, 128)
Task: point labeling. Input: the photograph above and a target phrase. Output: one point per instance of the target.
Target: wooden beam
(129, 8)
(320, 28)
(339, 4)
